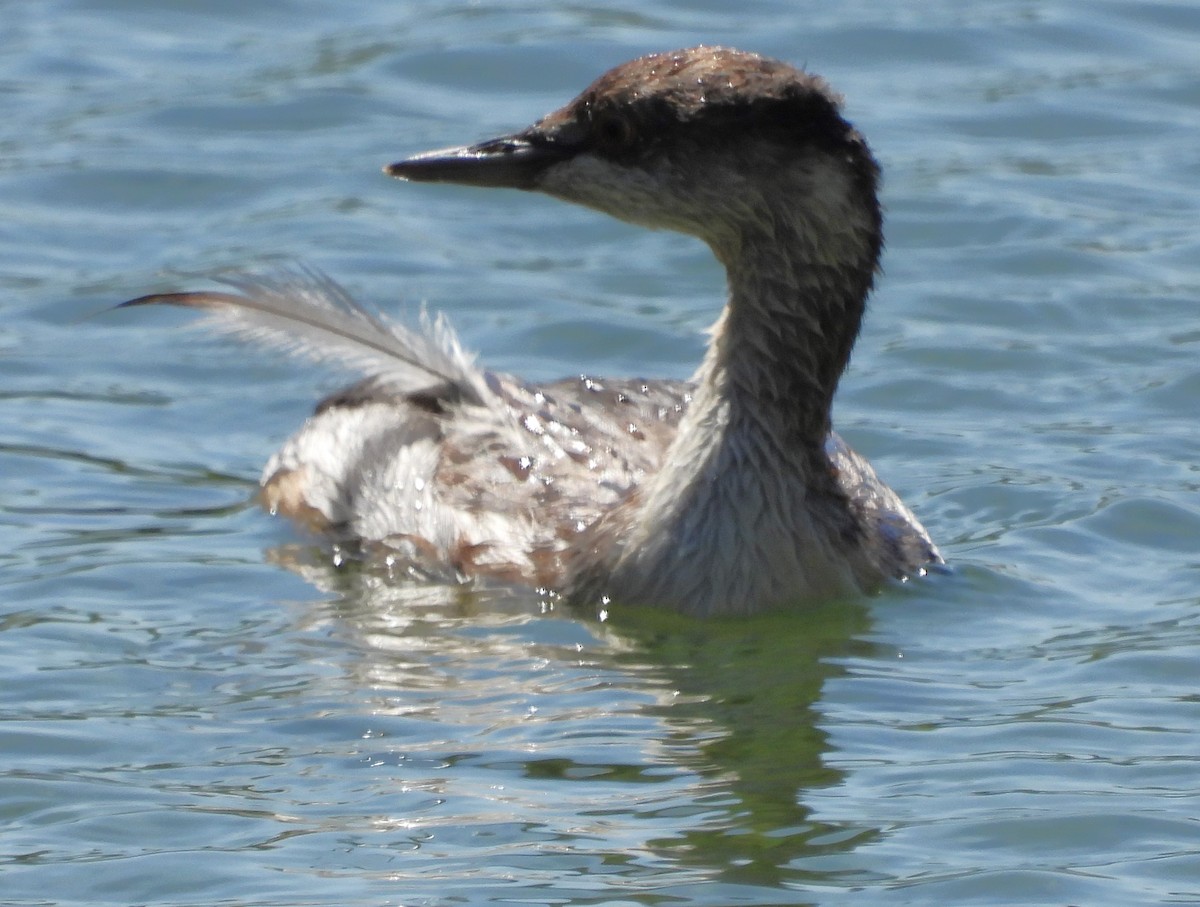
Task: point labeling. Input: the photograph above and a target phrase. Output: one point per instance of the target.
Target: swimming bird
(726, 494)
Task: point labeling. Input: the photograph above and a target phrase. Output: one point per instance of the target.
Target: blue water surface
(202, 706)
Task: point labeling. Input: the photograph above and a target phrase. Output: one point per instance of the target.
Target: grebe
(726, 494)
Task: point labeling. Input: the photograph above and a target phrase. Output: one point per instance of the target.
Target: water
(200, 708)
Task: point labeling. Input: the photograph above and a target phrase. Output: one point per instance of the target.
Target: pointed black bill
(510, 162)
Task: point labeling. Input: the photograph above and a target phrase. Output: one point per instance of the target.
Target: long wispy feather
(303, 311)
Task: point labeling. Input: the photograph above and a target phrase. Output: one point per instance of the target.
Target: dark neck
(785, 338)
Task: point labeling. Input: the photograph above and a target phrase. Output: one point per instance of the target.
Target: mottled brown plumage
(728, 494)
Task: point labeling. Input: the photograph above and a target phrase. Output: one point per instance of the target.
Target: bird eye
(613, 131)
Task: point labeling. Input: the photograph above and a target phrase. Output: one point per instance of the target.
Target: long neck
(782, 343)
(745, 506)
(796, 300)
